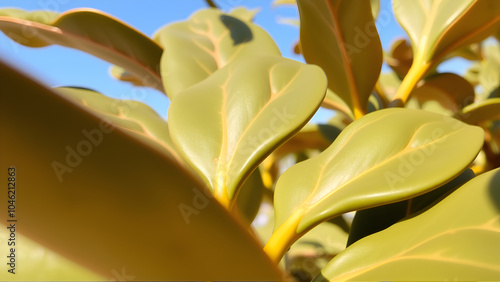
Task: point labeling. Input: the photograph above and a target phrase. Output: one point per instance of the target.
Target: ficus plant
(401, 184)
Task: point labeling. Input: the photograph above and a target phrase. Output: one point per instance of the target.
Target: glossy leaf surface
(91, 31)
(90, 187)
(376, 160)
(215, 38)
(225, 125)
(457, 239)
(375, 219)
(346, 47)
(438, 27)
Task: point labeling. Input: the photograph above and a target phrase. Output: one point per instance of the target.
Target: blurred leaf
(123, 75)
(209, 40)
(91, 31)
(289, 21)
(457, 239)
(369, 221)
(250, 196)
(83, 177)
(470, 52)
(333, 102)
(438, 27)
(243, 13)
(227, 124)
(311, 136)
(376, 160)
(347, 48)
(131, 116)
(314, 250)
(375, 7)
(444, 93)
(39, 263)
(480, 112)
(284, 2)
(389, 82)
(400, 57)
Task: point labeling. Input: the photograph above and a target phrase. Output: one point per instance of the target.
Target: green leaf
(400, 57)
(107, 198)
(91, 31)
(216, 38)
(480, 112)
(369, 221)
(40, 262)
(123, 75)
(227, 124)
(131, 116)
(438, 27)
(250, 196)
(340, 36)
(375, 4)
(457, 239)
(444, 93)
(379, 159)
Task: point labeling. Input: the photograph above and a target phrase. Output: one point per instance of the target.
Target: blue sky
(59, 66)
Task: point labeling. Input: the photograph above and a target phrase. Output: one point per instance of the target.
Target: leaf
(400, 57)
(250, 197)
(216, 38)
(311, 136)
(376, 160)
(131, 116)
(244, 14)
(369, 221)
(457, 239)
(227, 124)
(480, 112)
(375, 4)
(332, 101)
(123, 75)
(40, 262)
(119, 198)
(444, 93)
(347, 47)
(438, 27)
(91, 31)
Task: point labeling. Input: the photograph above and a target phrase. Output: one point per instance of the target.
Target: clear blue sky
(59, 66)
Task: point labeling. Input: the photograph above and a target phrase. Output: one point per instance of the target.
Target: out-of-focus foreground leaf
(120, 200)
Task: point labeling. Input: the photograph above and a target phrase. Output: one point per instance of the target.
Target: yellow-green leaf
(480, 112)
(208, 41)
(91, 31)
(340, 36)
(131, 116)
(400, 57)
(227, 124)
(444, 93)
(387, 156)
(123, 75)
(119, 198)
(375, 219)
(438, 27)
(457, 239)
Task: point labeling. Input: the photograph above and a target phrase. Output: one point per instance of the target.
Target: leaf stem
(417, 71)
(283, 237)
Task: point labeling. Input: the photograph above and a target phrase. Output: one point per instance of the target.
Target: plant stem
(417, 71)
(283, 237)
